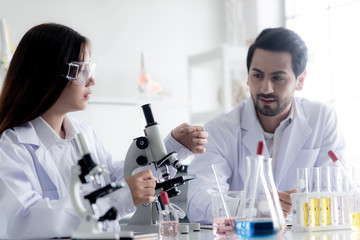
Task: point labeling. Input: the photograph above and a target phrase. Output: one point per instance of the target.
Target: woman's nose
(91, 82)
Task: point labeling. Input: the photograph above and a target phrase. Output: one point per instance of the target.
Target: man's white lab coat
(305, 142)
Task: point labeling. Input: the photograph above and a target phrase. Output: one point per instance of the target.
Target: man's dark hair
(281, 40)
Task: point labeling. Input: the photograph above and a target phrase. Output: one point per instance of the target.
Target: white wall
(169, 30)
(260, 14)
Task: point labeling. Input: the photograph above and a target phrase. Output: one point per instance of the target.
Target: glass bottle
(146, 84)
(261, 212)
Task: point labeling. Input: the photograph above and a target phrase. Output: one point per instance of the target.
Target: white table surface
(287, 235)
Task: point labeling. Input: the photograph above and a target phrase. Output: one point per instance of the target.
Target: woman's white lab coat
(34, 200)
(312, 132)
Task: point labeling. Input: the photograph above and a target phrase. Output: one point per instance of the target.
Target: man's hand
(142, 187)
(192, 137)
(285, 201)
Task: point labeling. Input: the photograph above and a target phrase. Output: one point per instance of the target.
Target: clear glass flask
(261, 212)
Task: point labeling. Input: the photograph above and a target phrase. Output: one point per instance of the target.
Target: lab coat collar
(292, 141)
(26, 134)
(48, 136)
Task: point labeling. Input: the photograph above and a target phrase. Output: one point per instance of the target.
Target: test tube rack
(321, 211)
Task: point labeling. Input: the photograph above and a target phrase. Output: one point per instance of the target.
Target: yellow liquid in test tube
(315, 211)
(355, 221)
(326, 211)
(306, 214)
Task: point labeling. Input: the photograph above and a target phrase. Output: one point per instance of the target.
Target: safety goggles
(80, 72)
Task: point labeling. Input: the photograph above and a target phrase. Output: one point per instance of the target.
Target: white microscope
(147, 150)
(86, 172)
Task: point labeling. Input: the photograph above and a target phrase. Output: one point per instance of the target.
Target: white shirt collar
(48, 136)
(291, 113)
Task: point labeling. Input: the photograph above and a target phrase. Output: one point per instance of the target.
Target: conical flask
(261, 212)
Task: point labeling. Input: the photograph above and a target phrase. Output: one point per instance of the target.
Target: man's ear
(300, 80)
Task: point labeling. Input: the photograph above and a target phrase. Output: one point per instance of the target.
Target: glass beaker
(168, 220)
(261, 212)
(225, 208)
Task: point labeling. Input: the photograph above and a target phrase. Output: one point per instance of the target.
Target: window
(331, 30)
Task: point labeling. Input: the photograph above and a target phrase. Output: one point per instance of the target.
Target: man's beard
(267, 110)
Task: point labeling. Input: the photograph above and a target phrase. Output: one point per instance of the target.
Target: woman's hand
(142, 187)
(192, 137)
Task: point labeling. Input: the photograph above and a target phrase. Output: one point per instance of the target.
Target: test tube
(315, 201)
(339, 164)
(303, 187)
(355, 215)
(337, 186)
(303, 180)
(346, 203)
(325, 201)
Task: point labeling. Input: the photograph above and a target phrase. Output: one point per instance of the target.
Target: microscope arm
(75, 190)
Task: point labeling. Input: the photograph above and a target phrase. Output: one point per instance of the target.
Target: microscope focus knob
(142, 142)
(142, 160)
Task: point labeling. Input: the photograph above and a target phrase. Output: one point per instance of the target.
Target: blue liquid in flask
(255, 229)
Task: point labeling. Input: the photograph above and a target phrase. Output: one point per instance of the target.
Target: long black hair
(33, 82)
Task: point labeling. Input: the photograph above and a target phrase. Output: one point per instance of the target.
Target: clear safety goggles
(80, 72)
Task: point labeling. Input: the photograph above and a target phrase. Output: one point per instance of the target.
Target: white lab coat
(34, 200)
(312, 132)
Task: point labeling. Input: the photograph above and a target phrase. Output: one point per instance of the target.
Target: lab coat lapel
(251, 134)
(292, 141)
(47, 162)
(27, 135)
(252, 131)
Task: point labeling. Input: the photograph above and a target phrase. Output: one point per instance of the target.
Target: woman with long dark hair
(50, 75)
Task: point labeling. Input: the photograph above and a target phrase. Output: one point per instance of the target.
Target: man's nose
(267, 86)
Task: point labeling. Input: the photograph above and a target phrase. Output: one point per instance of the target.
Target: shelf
(225, 59)
(137, 101)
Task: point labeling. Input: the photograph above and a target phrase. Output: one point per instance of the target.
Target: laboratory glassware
(261, 212)
(225, 208)
(145, 82)
(314, 200)
(302, 217)
(325, 176)
(168, 220)
(355, 214)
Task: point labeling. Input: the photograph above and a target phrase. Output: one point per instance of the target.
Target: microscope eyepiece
(148, 115)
